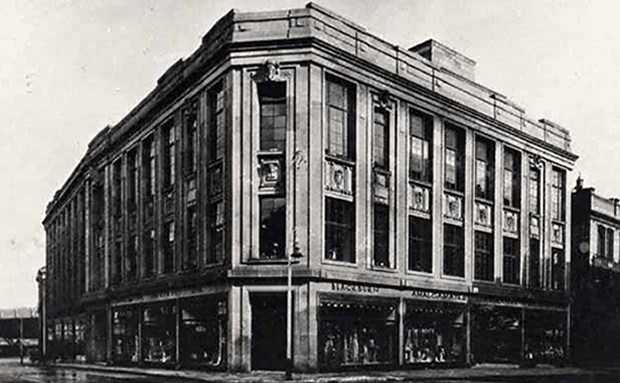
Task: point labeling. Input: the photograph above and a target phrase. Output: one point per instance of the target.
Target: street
(12, 372)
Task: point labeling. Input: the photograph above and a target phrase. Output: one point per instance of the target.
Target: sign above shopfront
(354, 288)
(439, 295)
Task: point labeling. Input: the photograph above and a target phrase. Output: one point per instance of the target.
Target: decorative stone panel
(511, 222)
(483, 215)
(381, 187)
(453, 207)
(557, 234)
(419, 198)
(338, 178)
(534, 226)
(271, 173)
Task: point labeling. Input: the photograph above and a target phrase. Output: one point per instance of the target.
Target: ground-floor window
(159, 334)
(496, 334)
(354, 334)
(203, 332)
(125, 340)
(545, 336)
(434, 333)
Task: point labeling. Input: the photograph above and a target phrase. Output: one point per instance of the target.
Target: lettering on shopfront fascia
(354, 288)
(438, 295)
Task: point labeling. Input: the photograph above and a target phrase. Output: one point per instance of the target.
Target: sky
(70, 67)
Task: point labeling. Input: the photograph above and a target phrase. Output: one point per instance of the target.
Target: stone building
(431, 214)
(595, 276)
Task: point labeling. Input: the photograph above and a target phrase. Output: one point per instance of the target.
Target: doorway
(268, 331)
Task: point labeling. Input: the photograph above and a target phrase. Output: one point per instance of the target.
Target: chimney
(447, 58)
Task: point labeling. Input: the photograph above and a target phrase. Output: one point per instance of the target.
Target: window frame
(425, 139)
(348, 214)
(348, 143)
(484, 261)
(457, 151)
(423, 239)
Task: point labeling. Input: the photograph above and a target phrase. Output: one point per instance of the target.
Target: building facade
(596, 276)
(431, 213)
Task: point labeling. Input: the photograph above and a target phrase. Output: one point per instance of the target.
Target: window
(148, 165)
(216, 233)
(557, 269)
(168, 247)
(485, 156)
(511, 261)
(149, 253)
(454, 154)
(168, 142)
(340, 119)
(191, 138)
(601, 241)
(216, 123)
(484, 265)
(420, 249)
(453, 251)
(190, 254)
(272, 227)
(132, 179)
(339, 230)
(132, 258)
(381, 227)
(534, 262)
(512, 177)
(610, 244)
(557, 195)
(117, 271)
(381, 138)
(534, 190)
(117, 191)
(420, 144)
(272, 96)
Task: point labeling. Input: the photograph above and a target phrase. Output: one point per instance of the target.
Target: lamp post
(288, 374)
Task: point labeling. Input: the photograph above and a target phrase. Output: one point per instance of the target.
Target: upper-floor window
(557, 194)
(512, 261)
(148, 167)
(420, 249)
(117, 191)
(339, 230)
(340, 119)
(454, 159)
(168, 247)
(484, 265)
(420, 144)
(453, 251)
(610, 244)
(191, 138)
(132, 178)
(169, 154)
(512, 177)
(381, 235)
(485, 164)
(216, 233)
(605, 242)
(381, 138)
(217, 122)
(272, 240)
(534, 190)
(272, 98)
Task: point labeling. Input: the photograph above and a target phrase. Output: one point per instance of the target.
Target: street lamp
(288, 374)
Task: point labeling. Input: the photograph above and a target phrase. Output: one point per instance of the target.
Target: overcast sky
(70, 67)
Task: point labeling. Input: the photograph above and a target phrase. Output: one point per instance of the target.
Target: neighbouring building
(431, 213)
(595, 276)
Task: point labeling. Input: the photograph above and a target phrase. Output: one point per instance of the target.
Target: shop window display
(434, 334)
(159, 333)
(496, 334)
(357, 334)
(203, 332)
(125, 336)
(545, 336)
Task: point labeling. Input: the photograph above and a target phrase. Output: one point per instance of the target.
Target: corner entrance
(268, 331)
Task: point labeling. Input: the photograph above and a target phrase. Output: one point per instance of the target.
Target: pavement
(478, 372)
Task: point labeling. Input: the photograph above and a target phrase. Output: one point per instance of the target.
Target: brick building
(431, 213)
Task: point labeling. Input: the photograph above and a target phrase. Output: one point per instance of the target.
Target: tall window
(511, 260)
(557, 195)
(148, 165)
(485, 156)
(420, 144)
(340, 119)
(272, 238)
(454, 159)
(484, 265)
(453, 251)
(534, 190)
(512, 177)
(131, 266)
(168, 247)
(602, 248)
(339, 230)
(381, 138)
(132, 179)
(534, 274)
(216, 233)
(557, 269)
(217, 121)
(169, 154)
(381, 228)
(149, 253)
(191, 231)
(272, 97)
(117, 191)
(610, 244)
(191, 138)
(420, 249)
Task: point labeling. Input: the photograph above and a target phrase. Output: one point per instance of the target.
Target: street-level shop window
(453, 251)
(339, 230)
(484, 265)
(203, 332)
(159, 334)
(272, 239)
(420, 249)
(125, 340)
